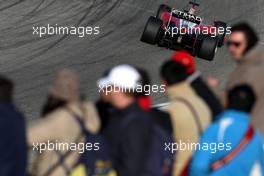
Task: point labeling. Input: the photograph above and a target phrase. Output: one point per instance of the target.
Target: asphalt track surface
(31, 61)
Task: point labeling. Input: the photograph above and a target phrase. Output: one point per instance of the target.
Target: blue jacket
(13, 150)
(228, 131)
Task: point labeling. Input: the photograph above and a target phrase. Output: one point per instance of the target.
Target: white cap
(123, 76)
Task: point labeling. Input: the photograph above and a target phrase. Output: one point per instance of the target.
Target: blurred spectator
(128, 131)
(160, 117)
(239, 148)
(198, 84)
(59, 126)
(13, 148)
(136, 141)
(189, 114)
(249, 55)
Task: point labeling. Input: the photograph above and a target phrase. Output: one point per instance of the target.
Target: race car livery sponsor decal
(186, 16)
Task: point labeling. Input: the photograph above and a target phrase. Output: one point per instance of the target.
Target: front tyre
(152, 31)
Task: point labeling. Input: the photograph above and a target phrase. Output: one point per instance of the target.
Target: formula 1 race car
(183, 30)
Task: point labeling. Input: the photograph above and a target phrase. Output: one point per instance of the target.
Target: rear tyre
(221, 37)
(208, 48)
(162, 8)
(152, 31)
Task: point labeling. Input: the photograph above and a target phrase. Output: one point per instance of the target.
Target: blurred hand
(212, 82)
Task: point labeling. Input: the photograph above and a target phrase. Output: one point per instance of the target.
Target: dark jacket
(13, 149)
(128, 134)
(162, 119)
(203, 90)
(104, 110)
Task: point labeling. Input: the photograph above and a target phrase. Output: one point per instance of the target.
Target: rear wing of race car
(186, 16)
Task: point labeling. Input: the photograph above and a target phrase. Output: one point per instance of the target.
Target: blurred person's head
(122, 82)
(6, 89)
(186, 59)
(173, 73)
(241, 98)
(64, 89)
(241, 40)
